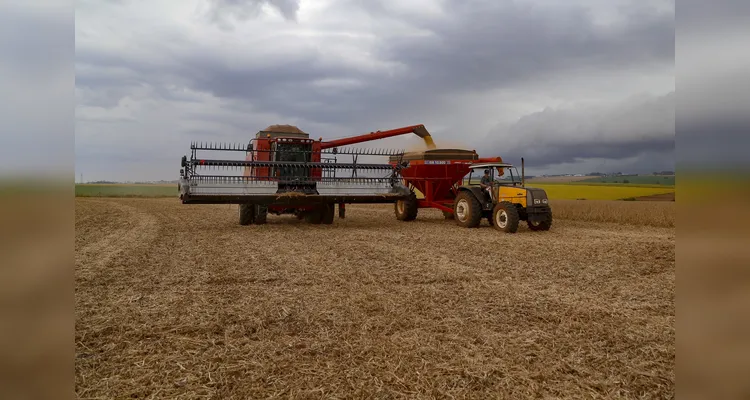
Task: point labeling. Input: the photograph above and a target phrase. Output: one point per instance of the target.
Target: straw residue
(202, 307)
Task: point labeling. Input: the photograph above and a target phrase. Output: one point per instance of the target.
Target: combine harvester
(286, 172)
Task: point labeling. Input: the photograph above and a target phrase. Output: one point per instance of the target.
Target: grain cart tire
(467, 211)
(505, 217)
(261, 214)
(406, 209)
(542, 225)
(328, 211)
(448, 215)
(247, 214)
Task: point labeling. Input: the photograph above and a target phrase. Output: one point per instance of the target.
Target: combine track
(177, 301)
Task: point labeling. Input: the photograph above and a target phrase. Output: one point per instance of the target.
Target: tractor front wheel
(406, 209)
(505, 217)
(247, 214)
(467, 211)
(542, 225)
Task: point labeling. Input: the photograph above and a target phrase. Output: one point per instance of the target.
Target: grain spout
(429, 142)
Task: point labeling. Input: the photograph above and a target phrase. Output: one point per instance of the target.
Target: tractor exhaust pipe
(523, 174)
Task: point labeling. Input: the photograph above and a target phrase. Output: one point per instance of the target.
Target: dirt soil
(180, 301)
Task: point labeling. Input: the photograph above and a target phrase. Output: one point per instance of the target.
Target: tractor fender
(477, 191)
(479, 194)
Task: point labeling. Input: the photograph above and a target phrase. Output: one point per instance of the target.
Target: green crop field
(125, 190)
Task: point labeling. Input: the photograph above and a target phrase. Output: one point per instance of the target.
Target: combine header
(284, 171)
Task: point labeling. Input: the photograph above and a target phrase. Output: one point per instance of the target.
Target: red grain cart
(436, 174)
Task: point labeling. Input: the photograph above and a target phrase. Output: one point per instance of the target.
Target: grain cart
(284, 171)
(439, 176)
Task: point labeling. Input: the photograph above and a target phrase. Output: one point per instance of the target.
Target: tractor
(505, 203)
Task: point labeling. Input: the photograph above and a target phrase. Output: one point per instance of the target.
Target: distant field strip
(554, 191)
(598, 192)
(668, 180)
(125, 190)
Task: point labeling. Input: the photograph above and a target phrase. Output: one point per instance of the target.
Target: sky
(573, 87)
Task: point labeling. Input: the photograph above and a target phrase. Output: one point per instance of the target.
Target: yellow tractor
(503, 201)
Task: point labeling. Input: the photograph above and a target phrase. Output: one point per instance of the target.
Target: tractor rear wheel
(261, 214)
(247, 214)
(542, 225)
(467, 211)
(327, 213)
(406, 209)
(505, 217)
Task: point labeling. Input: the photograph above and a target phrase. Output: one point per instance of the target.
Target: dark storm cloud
(614, 132)
(508, 43)
(392, 78)
(501, 44)
(243, 10)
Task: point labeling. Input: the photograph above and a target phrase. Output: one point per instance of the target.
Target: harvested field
(177, 301)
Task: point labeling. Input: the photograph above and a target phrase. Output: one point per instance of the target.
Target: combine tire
(542, 225)
(406, 210)
(314, 217)
(505, 217)
(327, 213)
(247, 214)
(467, 210)
(261, 214)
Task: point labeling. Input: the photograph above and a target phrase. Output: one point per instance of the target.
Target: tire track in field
(124, 227)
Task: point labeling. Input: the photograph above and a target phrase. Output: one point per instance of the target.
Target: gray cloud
(36, 78)
(615, 132)
(359, 66)
(221, 11)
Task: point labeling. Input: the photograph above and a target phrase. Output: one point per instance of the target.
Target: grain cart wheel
(261, 214)
(542, 225)
(467, 210)
(406, 209)
(247, 214)
(505, 217)
(448, 215)
(327, 213)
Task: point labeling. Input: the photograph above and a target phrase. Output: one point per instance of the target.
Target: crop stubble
(182, 302)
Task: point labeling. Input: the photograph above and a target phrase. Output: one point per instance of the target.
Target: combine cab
(284, 171)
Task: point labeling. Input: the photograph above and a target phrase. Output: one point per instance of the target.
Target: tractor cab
(500, 174)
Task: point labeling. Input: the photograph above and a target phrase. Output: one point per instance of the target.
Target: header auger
(286, 172)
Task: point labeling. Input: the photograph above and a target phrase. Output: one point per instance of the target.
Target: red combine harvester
(286, 172)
